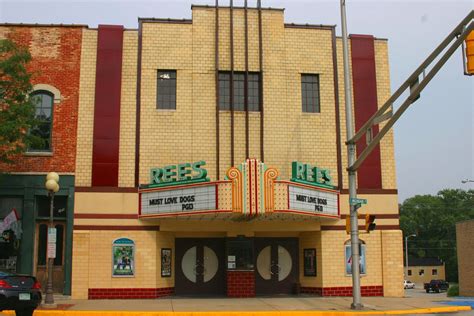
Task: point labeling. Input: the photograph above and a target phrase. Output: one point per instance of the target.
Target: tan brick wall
(128, 110)
(96, 271)
(311, 240)
(387, 149)
(333, 259)
(85, 124)
(465, 246)
(392, 260)
(80, 264)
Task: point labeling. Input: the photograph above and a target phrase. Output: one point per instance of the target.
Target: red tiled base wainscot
(97, 294)
(375, 290)
(240, 283)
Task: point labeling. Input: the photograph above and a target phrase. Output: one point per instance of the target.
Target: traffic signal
(470, 53)
(369, 222)
(348, 225)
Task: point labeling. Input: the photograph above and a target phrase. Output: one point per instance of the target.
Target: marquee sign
(314, 201)
(180, 200)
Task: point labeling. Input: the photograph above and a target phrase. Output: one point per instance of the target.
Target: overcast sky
(433, 139)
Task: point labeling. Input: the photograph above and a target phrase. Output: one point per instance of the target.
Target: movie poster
(348, 257)
(166, 262)
(310, 262)
(123, 258)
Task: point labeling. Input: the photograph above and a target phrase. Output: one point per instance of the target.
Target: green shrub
(453, 290)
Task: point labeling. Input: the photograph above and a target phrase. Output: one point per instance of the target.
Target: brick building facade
(243, 233)
(55, 65)
(209, 158)
(465, 244)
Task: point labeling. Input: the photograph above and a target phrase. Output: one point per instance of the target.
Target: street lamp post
(406, 254)
(52, 185)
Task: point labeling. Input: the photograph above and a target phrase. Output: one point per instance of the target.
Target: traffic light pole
(351, 157)
(385, 112)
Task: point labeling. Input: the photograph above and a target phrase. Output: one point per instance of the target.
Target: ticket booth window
(240, 254)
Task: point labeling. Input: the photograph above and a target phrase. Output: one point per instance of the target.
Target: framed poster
(123, 258)
(348, 258)
(310, 262)
(165, 262)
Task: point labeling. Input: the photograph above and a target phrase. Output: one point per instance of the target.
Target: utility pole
(414, 85)
(351, 157)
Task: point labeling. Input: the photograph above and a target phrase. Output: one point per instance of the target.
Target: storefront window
(10, 231)
(240, 254)
(43, 204)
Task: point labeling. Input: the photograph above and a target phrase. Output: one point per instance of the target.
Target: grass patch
(453, 290)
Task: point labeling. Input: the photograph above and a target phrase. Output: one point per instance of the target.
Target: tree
(17, 111)
(433, 219)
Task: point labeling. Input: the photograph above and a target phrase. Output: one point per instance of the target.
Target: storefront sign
(183, 173)
(51, 250)
(313, 200)
(51, 242)
(196, 198)
(123, 258)
(307, 174)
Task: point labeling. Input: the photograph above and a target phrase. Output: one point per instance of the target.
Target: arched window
(348, 257)
(43, 102)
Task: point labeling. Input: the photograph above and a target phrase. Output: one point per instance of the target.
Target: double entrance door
(276, 265)
(201, 265)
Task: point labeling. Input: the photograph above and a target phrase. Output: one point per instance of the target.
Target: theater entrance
(276, 265)
(200, 266)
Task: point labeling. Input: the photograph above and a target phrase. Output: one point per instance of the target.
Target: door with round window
(200, 266)
(277, 265)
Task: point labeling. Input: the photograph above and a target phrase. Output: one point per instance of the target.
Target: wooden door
(41, 261)
(276, 265)
(200, 266)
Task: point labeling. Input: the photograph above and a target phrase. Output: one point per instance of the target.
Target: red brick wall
(56, 61)
(376, 290)
(144, 293)
(240, 283)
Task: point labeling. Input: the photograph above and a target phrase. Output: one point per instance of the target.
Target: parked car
(408, 284)
(436, 286)
(21, 293)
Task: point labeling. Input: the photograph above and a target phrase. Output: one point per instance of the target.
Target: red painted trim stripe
(108, 83)
(106, 189)
(306, 213)
(250, 186)
(105, 216)
(372, 191)
(381, 216)
(117, 228)
(379, 227)
(364, 83)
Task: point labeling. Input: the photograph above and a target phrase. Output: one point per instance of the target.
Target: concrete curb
(432, 310)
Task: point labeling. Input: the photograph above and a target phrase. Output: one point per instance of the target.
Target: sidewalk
(288, 305)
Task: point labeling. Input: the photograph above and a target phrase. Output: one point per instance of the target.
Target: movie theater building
(211, 158)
